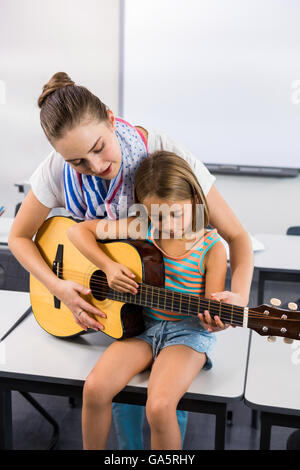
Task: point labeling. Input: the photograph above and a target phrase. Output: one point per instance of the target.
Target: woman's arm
(241, 255)
(28, 220)
(84, 236)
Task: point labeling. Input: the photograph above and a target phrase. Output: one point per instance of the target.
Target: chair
(293, 230)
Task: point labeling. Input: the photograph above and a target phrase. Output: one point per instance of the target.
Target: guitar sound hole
(98, 285)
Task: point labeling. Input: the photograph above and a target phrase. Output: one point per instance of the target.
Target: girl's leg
(172, 373)
(121, 361)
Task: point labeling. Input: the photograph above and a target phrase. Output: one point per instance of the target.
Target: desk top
(273, 375)
(31, 351)
(5, 226)
(282, 252)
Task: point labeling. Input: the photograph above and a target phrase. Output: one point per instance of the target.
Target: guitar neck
(184, 304)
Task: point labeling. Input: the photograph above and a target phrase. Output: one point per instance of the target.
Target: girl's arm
(240, 248)
(84, 236)
(215, 266)
(29, 218)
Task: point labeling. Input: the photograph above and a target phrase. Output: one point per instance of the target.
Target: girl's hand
(212, 325)
(228, 297)
(120, 278)
(69, 293)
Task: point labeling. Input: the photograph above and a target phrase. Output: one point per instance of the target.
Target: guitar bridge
(57, 269)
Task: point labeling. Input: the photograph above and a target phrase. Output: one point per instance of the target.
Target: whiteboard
(221, 77)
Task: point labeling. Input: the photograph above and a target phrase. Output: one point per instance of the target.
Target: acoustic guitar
(125, 311)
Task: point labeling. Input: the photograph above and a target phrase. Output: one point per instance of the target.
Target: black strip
(28, 311)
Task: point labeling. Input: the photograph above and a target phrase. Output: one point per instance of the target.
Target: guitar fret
(180, 300)
(173, 301)
(141, 291)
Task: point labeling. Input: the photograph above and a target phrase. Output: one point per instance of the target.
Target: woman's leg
(121, 361)
(128, 422)
(182, 418)
(172, 373)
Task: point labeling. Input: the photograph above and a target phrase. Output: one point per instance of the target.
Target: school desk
(279, 261)
(34, 361)
(272, 393)
(273, 384)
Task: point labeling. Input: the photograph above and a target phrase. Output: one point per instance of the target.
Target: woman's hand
(228, 297)
(69, 293)
(120, 278)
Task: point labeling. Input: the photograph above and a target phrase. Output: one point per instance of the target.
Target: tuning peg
(288, 340)
(292, 306)
(271, 339)
(275, 302)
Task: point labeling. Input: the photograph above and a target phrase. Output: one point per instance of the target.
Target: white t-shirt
(47, 181)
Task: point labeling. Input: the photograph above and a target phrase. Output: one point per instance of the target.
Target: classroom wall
(37, 39)
(263, 204)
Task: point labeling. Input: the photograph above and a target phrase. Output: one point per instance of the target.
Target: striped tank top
(185, 273)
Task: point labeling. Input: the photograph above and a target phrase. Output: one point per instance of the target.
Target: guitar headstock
(272, 321)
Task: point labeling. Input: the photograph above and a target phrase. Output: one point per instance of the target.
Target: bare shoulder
(216, 255)
(143, 131)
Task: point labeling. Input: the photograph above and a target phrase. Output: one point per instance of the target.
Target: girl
(89, 170)
(163, 180)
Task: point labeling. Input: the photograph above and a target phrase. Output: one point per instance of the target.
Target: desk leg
(275, 419)
(265, 431)
(221, 418)
(254, 418)
(5, 420)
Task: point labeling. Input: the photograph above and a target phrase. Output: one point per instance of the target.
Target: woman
(90, 172)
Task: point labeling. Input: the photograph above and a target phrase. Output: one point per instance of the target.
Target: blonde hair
(169, 177)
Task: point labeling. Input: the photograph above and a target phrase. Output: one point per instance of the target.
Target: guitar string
(212, 306)
(225, 320)
(195, 303)
(237, 323)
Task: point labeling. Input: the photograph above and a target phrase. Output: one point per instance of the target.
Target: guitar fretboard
(181, 303)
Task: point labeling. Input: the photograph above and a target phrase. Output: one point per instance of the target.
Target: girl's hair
(64, 105)
(169, 177)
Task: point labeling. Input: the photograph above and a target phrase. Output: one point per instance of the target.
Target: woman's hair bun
(58, 80)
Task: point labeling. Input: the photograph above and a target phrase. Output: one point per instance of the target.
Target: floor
(32, 431)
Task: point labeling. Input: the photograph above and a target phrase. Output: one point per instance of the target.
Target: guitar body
(123, 320)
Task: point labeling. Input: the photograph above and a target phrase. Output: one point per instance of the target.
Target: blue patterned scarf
(87, 197)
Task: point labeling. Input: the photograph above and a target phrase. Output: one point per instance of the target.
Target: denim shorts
(162, 333)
